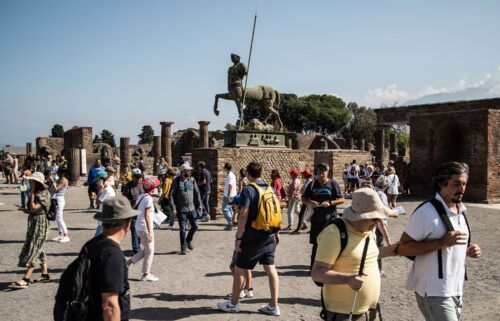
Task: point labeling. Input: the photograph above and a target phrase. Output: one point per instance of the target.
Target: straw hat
(38, 177)
(115, 208)
(366, 204)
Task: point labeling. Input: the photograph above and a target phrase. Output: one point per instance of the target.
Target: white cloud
(392, 95)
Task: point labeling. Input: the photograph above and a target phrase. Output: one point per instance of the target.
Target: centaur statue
(262, 97)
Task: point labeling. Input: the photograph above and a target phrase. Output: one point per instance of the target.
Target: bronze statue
(259, 97)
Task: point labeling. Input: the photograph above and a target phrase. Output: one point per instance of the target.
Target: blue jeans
(206, 205)
(227, 210)
(183, 217)
(24, 197)
(136, 242)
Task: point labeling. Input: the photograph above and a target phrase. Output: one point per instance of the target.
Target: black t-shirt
(108, 273)
(249, 198)
(320, 193)
(207, 177)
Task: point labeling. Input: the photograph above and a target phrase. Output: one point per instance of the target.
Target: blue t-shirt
(249, 198)
(93, 174)
(205, 175)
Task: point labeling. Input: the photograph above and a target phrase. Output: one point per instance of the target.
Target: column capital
(204, 122)
(166, 123)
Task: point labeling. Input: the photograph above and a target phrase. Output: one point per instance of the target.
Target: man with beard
(438, 236)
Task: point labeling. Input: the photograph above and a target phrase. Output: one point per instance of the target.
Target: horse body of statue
(262, 97)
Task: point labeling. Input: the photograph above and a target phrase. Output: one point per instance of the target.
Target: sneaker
(183, 251)
(205, 218)
(230, 295)
(64, 239)
(169, 227)
(190, 246)
(267, 309)
(57, 238)
(227, 306)
(149, 278)
(91, 207)
(228, 228)
(249, 293)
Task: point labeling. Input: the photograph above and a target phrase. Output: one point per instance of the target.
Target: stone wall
(56, 144)
(493, 175)
(79, 137)
(283, 160)
(451, 136)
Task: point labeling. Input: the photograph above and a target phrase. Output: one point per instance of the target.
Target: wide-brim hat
(37, 177)
(365, 205)
(115, 208)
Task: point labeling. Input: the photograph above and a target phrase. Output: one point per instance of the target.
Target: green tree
(96, 139)
(57, 131)
(146, 135)
(108, 138)
(362, 125)
(230, 127)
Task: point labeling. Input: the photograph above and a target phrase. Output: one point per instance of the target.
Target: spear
(248, 65)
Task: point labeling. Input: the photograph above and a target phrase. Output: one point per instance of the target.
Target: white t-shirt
(353, 171)
(393, 184)
(426, 225)
(230, 180)
(143, 202)
(107, 192)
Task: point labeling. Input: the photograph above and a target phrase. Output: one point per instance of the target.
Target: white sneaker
(227, 306)
(149, 278)
(57, 238)
(249, 293)
(64, 239)
(267, 309)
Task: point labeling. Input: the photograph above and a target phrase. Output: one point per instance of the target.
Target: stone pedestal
(156, 151)
(248, 138)
(166, 141)
(379, 145)
(203, 142)
(124, 152)
(74, 163)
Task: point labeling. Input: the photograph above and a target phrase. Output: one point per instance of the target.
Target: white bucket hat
(366, 204)
(37, 177)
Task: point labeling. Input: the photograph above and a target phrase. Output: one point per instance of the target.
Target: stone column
(362, 144)
(393, 142)
(203, 143)
(166, 141)
(379, 145)
(29, 148)
(124, 152)
(350, 143)
(74, 161)
(156, 153)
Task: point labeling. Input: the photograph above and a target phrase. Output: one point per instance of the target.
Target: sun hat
(366, 204)
(37, 177)
(150, 183)
(294, 172)
(115, 208)
(100, 175)
(136, 172)
(185, 167)
(324, 165)
(306, 172)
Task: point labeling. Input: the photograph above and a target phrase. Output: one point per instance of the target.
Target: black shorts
(93, 189)
(256, 251)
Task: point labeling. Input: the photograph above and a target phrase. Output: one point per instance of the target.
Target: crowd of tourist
(347, 247)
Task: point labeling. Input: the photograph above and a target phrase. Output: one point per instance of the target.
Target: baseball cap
(136, 172)
(293, 172)
(150, 183)
(185, 167)
(306, 172)
(324, 165)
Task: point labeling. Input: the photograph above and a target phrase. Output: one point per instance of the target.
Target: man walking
(438, 236)
(338, 267)
(132, 191)
(93, 190)
(323, 195)
(227, 197)
(353, 177)
(254, 246)
(204, 186)
(184, 194)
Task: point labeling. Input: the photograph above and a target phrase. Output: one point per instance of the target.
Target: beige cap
(366, 204)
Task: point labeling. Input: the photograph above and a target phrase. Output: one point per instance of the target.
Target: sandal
(19, 285)
(44, 278)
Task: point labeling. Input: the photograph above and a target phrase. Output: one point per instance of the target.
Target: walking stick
(361, 268)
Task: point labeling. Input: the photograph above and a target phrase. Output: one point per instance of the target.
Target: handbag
(51, 213)
(23, 188)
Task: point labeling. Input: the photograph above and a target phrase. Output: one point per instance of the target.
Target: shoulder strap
(443, 215)
(139, 203)
(340, 224)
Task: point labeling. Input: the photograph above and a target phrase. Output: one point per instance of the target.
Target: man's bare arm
(110, 306)
(322, 272)
(410, 247)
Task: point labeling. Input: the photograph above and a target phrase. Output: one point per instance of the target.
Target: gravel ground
(190, 286)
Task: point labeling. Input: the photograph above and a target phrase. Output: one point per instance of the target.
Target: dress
(33, 252)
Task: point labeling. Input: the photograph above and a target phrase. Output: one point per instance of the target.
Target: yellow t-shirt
(166, 187)
(338, 297)
(126, 177)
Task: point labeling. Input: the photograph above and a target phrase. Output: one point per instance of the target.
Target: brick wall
(493, 175)
(55, 143)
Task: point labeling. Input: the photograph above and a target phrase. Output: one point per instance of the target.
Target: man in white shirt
(227, 197)
(353, 177)
(438, 272)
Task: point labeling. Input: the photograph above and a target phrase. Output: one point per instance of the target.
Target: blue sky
(122, 64)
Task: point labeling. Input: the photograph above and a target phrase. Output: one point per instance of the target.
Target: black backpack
(443, 215)
(74, 294)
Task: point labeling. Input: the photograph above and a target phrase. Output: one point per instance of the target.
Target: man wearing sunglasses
(184, 194)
